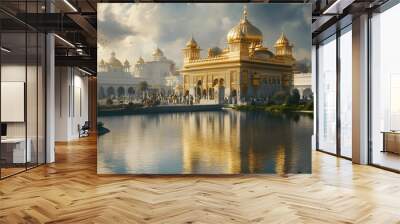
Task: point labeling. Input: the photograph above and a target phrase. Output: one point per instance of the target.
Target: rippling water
(217, 142)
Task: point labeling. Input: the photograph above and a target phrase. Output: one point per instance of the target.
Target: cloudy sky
(136, 29)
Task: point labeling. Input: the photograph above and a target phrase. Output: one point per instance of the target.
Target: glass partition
(14, 153)
(31, 98)
(41, 97)
(22, 88)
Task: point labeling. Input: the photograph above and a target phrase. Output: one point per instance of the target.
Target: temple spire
(244, 14)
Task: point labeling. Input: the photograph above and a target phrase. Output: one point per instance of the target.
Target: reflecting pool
(215, 142)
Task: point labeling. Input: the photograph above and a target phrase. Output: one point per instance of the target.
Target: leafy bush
(280, 97)
(309, 105)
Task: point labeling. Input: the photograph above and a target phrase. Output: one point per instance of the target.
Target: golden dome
(158, 52)
(114, 62)
(212, 52)
(282, 40)
(245, 31)
(191, 43)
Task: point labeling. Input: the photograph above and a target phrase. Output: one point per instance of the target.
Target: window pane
(385, 83)
(327, 96)
(346, 93)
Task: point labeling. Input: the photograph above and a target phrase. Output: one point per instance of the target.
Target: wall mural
(204, 88)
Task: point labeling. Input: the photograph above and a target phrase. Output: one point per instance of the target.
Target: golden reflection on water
(252, 160)
(223, 142)
(280, 160)
(211, 143)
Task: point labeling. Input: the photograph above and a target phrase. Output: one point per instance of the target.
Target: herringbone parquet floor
(69, 191)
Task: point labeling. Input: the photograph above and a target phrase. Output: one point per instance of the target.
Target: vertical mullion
(26, 86)
(46, 3)
(0, 91)
(37, 90)
(338, 98)
(369, 88)
(73, 92)
(317, 96)
(45, 95)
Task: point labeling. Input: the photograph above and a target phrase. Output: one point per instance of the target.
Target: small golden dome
(261, 51)
(215, 51)
(114, 62)
(245, 31)
(191, 43)
(157, 52)
(260, 47)
(282, 40)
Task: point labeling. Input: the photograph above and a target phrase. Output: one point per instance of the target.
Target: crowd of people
(173, 99)
(156, 99)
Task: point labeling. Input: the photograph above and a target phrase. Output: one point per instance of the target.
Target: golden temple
(243, 71)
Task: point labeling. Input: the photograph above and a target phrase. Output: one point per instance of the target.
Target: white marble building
(116, 79)
(156, 70)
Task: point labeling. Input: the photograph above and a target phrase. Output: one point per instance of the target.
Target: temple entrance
(131, 91)
(102, 93)
(234, 96)
(221, 92)
(211, 93)
(121, 91)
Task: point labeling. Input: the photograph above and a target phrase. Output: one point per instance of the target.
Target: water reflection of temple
(211, 144)
(234, 142)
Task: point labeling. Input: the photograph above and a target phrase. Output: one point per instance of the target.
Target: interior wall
(71, 102)
(15, 73)
(61, 103)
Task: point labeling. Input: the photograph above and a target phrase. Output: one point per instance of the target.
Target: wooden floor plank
(70, 191)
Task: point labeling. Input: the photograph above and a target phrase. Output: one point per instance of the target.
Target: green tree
(294, 98)
(143, 86)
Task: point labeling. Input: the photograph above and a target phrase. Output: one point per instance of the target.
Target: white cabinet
(19, 155)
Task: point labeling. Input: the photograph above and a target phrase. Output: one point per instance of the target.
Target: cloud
(111, 29)
(302, 53)
(136, 29)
